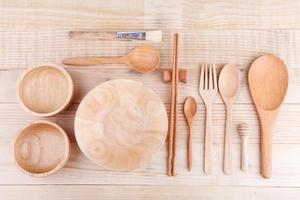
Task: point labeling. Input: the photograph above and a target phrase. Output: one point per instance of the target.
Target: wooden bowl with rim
(45, 90)
(41, 148)
(121, 124)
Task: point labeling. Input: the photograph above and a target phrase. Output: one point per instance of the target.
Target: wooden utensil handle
(93, 35)
(83, 61)
(189, 148)
(266, 148)
(244, 157)
(208, 142)
(227, 146)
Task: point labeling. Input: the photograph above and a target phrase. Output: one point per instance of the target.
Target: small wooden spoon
(268, 82)
(144, 59)
(229, 83)
(190, 110)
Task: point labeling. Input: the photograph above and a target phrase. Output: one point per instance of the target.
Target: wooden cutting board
(120, 124)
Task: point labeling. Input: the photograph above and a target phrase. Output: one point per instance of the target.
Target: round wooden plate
(120, 124)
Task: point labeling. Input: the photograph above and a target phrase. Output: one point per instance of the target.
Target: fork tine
(201, 78)
(215, 77)
(206, 78)
(210, 85)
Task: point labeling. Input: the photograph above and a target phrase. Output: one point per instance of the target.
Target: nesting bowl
(45, 90)
(41, 148)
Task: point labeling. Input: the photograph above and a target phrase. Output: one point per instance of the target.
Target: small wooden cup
(45, 90)
(41, 148)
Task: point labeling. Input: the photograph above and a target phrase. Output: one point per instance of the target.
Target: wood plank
(79, 170)
(13, 118)
(95, 192)
(86, 79)
(233, 31)
(196, 47)
(150, 14)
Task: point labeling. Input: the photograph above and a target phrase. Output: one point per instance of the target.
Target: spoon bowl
(229, 81)
(268, 83)
(144, 59)
(190, 109)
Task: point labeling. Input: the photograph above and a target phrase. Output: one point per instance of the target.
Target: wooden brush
(153, 36)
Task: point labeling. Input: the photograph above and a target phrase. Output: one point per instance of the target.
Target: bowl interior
(40, 148)
(45, 89)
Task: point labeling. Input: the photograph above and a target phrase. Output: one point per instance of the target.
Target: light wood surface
(229, 84)
(120, 124)
(268, 83)
(231, 31)
(41, 148)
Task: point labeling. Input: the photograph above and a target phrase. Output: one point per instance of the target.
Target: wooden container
(41, 148)
(45, 90)
(120, 124)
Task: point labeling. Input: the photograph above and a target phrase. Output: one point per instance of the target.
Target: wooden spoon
(229, 83)
(268, 82)
(190, 110)
(144, 59)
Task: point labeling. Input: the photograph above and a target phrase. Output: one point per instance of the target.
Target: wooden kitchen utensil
(41, 148)
(229, 83)
(268, 82)
(190, 110)
(173, 111)
(120, 124)
(243, 132)
(208, 89)
(144, 59)
(45, 90)
(154, 35)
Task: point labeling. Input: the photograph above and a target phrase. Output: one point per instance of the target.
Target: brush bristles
(155, 36)
(243, 129)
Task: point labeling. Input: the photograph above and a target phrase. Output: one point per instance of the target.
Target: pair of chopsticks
(173, 113)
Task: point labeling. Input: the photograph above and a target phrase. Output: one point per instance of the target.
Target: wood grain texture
(41, 148)
(221, 32)
(150, 14)
(268, 83)
(145, 192)
(242, 130)
(45, 90)
(229, 84)
(120, 124)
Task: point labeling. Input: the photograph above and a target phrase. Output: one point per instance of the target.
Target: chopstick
(173, 112)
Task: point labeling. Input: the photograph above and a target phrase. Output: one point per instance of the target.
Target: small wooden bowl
(45, 90)
(41, 148)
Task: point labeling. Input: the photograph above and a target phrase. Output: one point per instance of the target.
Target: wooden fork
(208, 89)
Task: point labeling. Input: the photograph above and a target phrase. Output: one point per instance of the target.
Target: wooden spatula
(268, 82)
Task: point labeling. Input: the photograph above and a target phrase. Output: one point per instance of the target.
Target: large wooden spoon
(229, 84)
(268, 82)
(144, 59)
(190, 110)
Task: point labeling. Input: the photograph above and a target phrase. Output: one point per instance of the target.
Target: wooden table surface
(211, 31)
